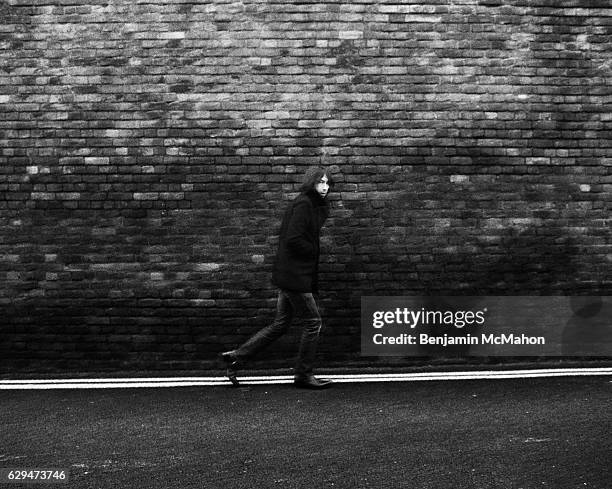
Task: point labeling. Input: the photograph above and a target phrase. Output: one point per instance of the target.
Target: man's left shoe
(311, 382)
(231, 363)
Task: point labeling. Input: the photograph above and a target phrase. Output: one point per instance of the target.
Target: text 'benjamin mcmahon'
(483, 339)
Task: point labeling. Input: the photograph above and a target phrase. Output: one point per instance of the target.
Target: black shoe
(230, 361)
(311, 382)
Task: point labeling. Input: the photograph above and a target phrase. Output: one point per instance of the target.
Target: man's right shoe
(311, 382)
(231, 364)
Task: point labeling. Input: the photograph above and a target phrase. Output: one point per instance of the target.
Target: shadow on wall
(535, 260)
(589, 331)
(538, 260)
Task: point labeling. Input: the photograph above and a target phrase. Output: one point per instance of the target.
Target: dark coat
(297, 259)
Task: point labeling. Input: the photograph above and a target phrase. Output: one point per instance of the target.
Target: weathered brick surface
(148, 148)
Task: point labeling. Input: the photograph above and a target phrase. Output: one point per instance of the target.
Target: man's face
(321, 187)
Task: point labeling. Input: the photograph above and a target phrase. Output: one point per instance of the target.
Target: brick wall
(148, 149)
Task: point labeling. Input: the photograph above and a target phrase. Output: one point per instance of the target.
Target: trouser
(290, 305)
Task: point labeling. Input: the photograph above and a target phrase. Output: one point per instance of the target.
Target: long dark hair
(312, 177)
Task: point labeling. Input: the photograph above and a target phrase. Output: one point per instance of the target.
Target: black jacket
(297, 259)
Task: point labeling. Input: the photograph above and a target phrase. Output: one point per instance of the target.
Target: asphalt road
(532, 433)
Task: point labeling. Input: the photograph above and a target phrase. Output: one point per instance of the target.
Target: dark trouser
(290, 305)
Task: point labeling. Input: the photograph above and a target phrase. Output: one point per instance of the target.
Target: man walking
(295, 273)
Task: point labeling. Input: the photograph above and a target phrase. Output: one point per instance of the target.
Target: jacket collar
(316, 199)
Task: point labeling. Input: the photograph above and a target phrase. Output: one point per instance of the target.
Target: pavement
(522, 433)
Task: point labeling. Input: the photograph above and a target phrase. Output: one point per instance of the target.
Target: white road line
(159, 382)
